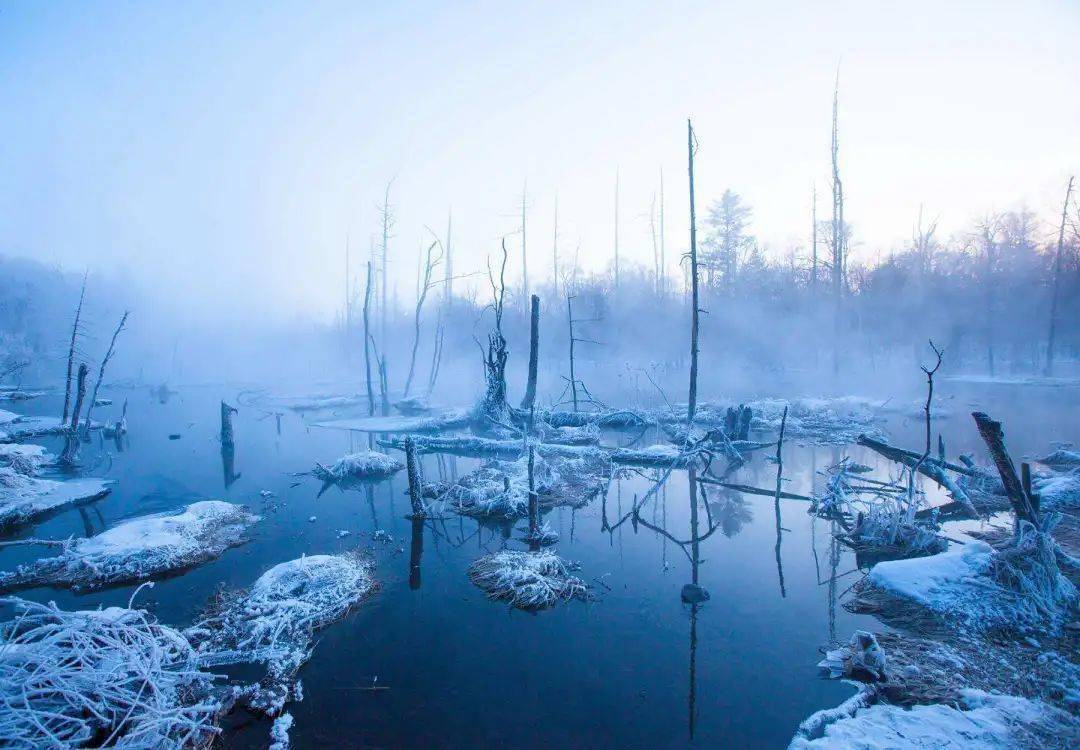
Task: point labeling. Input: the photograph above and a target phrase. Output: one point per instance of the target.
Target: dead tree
(573, 377)
(663, 250)
(380, 363)
(101, 370)
(367, 343)
(493, 405)
(691, 148)
(927, 467)
(71, 444)
(386, 216)
(448, 290)
(776, 501)
(1051, 339)
(71, 351)
(930, 372)
(227, 434)
(412, 468)
(431, 262)
(1020, 499)
(655, 246)
(436, 354)
(534, 354)
(616, 228)
(839, 259)
(555, 251)
(524, 256)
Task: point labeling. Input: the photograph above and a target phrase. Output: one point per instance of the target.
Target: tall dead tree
(691, 149)
(367, 342)
(929, 372)
(813, 239)
(534, 354)
(1051, 338)
(431, 261)
(839, 257)
(663, 249)
(71, 444)
(71, 350)
(616, 227)
(387, 219)
(524, 254)
(101, 370)
(494, 406)
(555, 251)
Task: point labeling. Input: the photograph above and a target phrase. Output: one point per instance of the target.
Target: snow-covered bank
(980, 720)
(25, 499)
(356, 466)
(139, 549)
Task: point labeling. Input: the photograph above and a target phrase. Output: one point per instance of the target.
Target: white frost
(24, 498)
(363, 465)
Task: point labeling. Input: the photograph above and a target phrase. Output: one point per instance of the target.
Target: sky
(223, 155)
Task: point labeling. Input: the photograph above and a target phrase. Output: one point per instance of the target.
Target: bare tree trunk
(926, 411)
(663, 254)
(424, 286)
(71, 351)
(412, 468)
(524, 255)
(227, 435)
(101, 370)
(692, 401)
(838, 259)
(573, 377)
(555, 251)
(534, 354)
(387, 221)
(71, 445)
(655, 246)
(367, 343)
(1051, 339)
(616, 227)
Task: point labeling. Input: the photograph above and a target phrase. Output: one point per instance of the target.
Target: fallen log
(994, 437)
(928, 468)
(899, 455)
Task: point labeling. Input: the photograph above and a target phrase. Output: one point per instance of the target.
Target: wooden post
(227, 424)
(71, 352)
(534, 354)
(692, 401)
(413, 469)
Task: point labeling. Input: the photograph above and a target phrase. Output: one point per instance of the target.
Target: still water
(636, 667)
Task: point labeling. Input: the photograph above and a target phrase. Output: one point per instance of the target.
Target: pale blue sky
(227, 149)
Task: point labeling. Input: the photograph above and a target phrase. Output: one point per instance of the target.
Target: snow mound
(982, 720)
(7, 417)
(527, 580)
(24, 499)
(363, 465)
(1017, 586)
(1062, 460)
(1058, 491)
(24, 459)
(107, 678)
(139, 549)
(274, 622)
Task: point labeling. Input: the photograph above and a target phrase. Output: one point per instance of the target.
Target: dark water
(634, 668)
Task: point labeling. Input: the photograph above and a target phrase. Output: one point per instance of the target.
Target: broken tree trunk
(227, 425)
(71, 446)
(994, 437)
(692, 400)
(534, 354)
(367, 343)
(412, 468)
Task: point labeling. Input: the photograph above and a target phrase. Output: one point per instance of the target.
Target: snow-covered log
(359, 466)
(275, 621)
(139, 549)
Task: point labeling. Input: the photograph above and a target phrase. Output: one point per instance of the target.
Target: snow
(1058, 491)
(982, 720)
(1062, 460)
(279, 732)
(363, 465)
(23, 458)
(7, 417)
(937, 581)
(139, 549)
(24, 499)
(275, 621)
